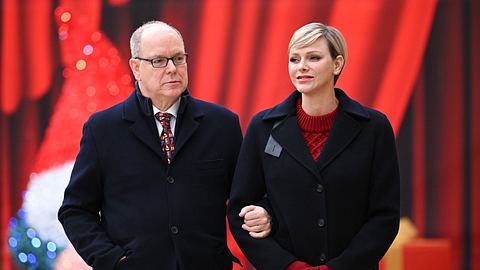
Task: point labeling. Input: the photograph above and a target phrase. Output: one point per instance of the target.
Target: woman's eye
(314, 58)
(294, 60)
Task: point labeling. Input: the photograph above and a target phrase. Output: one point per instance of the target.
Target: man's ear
(135, 67)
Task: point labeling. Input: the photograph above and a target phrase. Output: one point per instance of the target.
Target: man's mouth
(172, 82)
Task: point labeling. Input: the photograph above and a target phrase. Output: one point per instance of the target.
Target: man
(152, 177)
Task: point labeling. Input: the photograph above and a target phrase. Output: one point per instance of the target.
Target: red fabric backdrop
(417, 61)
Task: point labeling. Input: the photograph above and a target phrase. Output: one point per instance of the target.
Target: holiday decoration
(95, 77)
(27, 247)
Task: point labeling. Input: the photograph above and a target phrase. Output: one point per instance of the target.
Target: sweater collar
(320, 123)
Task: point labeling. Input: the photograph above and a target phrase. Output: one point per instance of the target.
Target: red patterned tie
(167, 136)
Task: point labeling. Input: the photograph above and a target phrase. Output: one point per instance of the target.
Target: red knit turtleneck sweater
(315, 129)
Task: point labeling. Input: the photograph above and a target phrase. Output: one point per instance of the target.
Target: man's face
(160, 83)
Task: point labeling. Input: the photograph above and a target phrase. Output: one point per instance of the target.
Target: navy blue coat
(123, 198)
(341, 210)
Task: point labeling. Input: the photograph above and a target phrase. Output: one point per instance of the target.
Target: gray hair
(309, 33)
(137, 35)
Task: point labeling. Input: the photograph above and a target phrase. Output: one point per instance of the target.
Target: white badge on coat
(273, 147)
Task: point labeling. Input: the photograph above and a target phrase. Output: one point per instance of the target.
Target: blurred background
(416, 61)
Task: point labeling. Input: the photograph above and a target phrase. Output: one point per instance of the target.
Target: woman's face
(312, 68)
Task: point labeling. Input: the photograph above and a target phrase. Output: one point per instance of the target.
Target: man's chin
(174, 92)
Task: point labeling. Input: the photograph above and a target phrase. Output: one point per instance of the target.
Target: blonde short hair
(309, 33)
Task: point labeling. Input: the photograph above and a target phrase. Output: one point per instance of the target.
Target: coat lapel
(287, 132)
(189, 121)
(141, 130)
(288, 135)
(344, 130)
(139, 114)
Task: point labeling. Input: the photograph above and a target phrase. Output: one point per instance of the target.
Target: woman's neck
(321, 103)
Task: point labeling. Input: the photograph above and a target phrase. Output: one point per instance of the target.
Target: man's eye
(179, 58)
(157, 61)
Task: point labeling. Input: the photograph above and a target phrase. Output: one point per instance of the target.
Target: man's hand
(256, 221)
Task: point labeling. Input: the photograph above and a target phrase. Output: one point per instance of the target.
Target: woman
(327, 165)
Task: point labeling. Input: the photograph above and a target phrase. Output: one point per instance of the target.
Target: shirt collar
(173, 110)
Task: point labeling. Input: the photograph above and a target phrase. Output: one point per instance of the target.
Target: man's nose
(170, 66)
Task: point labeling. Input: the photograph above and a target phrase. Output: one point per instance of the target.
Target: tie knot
(164, 118)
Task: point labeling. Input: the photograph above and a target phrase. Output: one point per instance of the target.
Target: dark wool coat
(341, 210)
(123, 198)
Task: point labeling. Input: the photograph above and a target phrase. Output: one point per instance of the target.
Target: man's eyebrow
(163, 56)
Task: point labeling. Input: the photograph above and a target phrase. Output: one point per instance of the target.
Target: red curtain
(473, 153)
(443, 128)
(417, 61)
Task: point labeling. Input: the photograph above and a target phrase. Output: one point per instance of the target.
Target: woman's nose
(304, 65)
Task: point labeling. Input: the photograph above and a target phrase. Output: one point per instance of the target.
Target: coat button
(174, 229)
(319, 188)
(170, 180)
(323, 257)
(321, 222)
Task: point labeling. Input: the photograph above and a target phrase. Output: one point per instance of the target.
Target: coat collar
(145, 104)
(345, 128)
(138, 110)
(287, 107)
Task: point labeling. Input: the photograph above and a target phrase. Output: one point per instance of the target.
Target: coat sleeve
(248, 187)
(80, 211)
(376, 235)
(235, 133)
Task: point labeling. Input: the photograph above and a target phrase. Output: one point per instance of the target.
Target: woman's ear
(338, 64)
